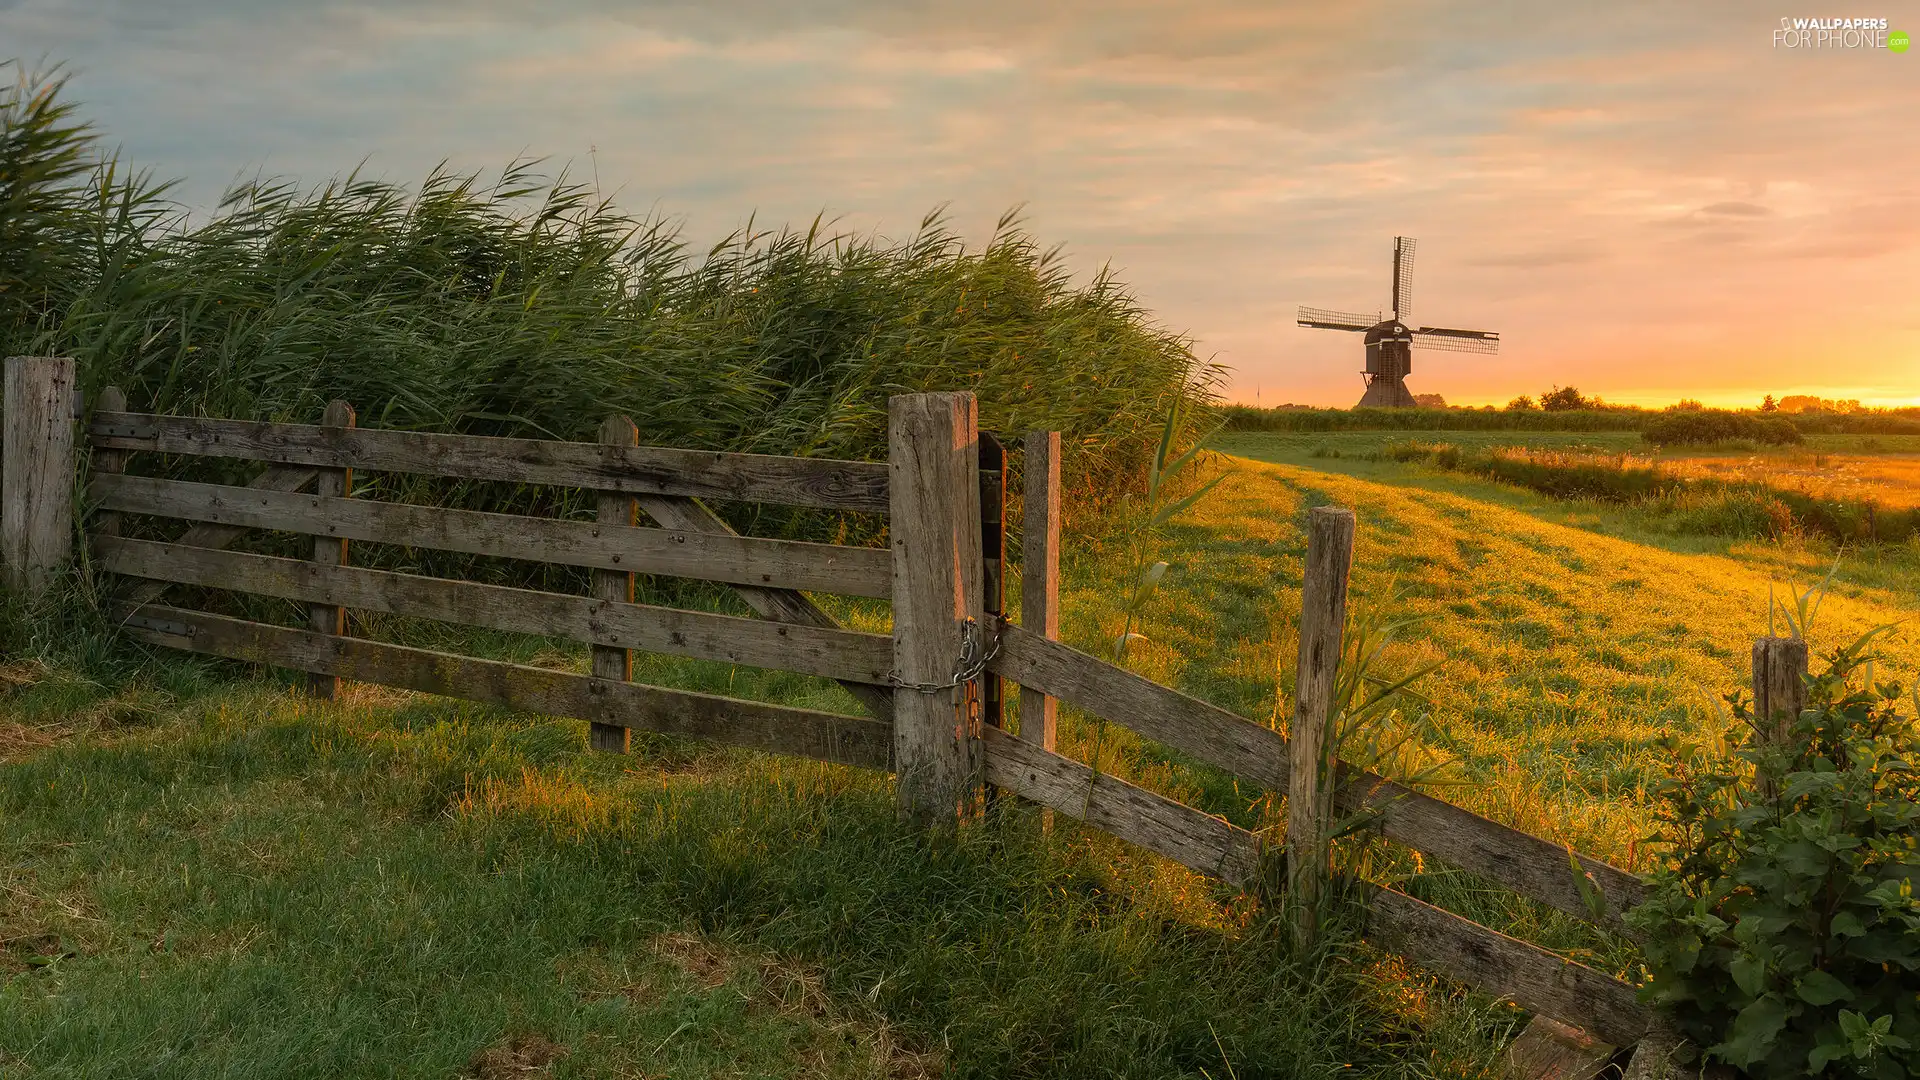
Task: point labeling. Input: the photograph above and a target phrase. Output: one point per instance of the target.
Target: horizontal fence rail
(1535, 868)
(785, 564)
(640, 470)
(833, 654)
(1530, 976)
(781, 729)
(817, 483)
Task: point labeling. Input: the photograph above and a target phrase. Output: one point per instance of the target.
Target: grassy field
(1891, 480)
(209, 876)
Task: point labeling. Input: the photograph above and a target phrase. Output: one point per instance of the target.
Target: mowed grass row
(1564, 654)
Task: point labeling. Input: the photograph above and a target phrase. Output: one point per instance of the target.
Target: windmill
(1390, 342)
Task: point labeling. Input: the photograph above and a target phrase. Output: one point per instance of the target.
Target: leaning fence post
(1323, 616)
(1040, 572)
(36, 471)
(933, 460)
(330, 550)
(1779, 686)
(615, 508)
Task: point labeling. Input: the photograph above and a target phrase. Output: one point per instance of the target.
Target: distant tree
(1686, 404)
(1430, 401)
(1809, 403)
(1562, 399)
(1521, 402)
(1769, 405)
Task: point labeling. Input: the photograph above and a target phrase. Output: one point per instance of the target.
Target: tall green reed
(528, 305)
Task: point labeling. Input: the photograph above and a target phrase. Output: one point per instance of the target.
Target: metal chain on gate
(975, 655)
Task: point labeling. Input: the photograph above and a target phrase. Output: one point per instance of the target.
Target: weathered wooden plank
(746, 560)
(208, 535)
(1527, 864)
(1551, 1050)
(36, 471)
(1323, 618)
(779, 605)
(1530, 976)
(1040, 573)
(835, 654)
(330, 551)
(1207, 732)
(933, 450)
(846, 740)
(1140, 817)
(1533, 867)
(639, 470)
(1456, 947)
(610, 662)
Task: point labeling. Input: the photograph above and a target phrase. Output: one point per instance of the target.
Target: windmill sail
(1449, 340)
(1403, 278)
(1327, 319)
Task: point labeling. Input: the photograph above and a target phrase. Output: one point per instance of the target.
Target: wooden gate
(931, 691)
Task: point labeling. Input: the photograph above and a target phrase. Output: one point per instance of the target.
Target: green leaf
(1819, 988)
(1754, 1031)
(1749, 974)
(1826, 1054)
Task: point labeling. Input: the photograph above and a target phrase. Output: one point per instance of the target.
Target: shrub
(1785, 936)
(1704, 427)
(1563, 399)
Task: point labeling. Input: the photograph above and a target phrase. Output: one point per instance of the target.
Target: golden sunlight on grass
(1565, 655)
(1887, 480)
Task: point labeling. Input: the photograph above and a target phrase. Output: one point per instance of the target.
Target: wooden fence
(931, 691)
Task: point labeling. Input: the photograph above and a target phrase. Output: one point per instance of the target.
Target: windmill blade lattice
(1447, 340)
(1403, 247)
(1329, 319)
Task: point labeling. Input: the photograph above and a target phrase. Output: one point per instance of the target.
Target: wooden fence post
(37, 471)
(1779, 685)
(933, 458)
(330, 551)
(609, 662)
(1323, 617)
(112, 400)
(1040, 572)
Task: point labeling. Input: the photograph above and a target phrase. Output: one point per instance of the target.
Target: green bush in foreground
(1785, 937)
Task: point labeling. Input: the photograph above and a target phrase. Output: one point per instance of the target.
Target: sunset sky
(1647, 200)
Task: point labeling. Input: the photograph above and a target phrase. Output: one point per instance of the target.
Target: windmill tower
(1390, 342)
